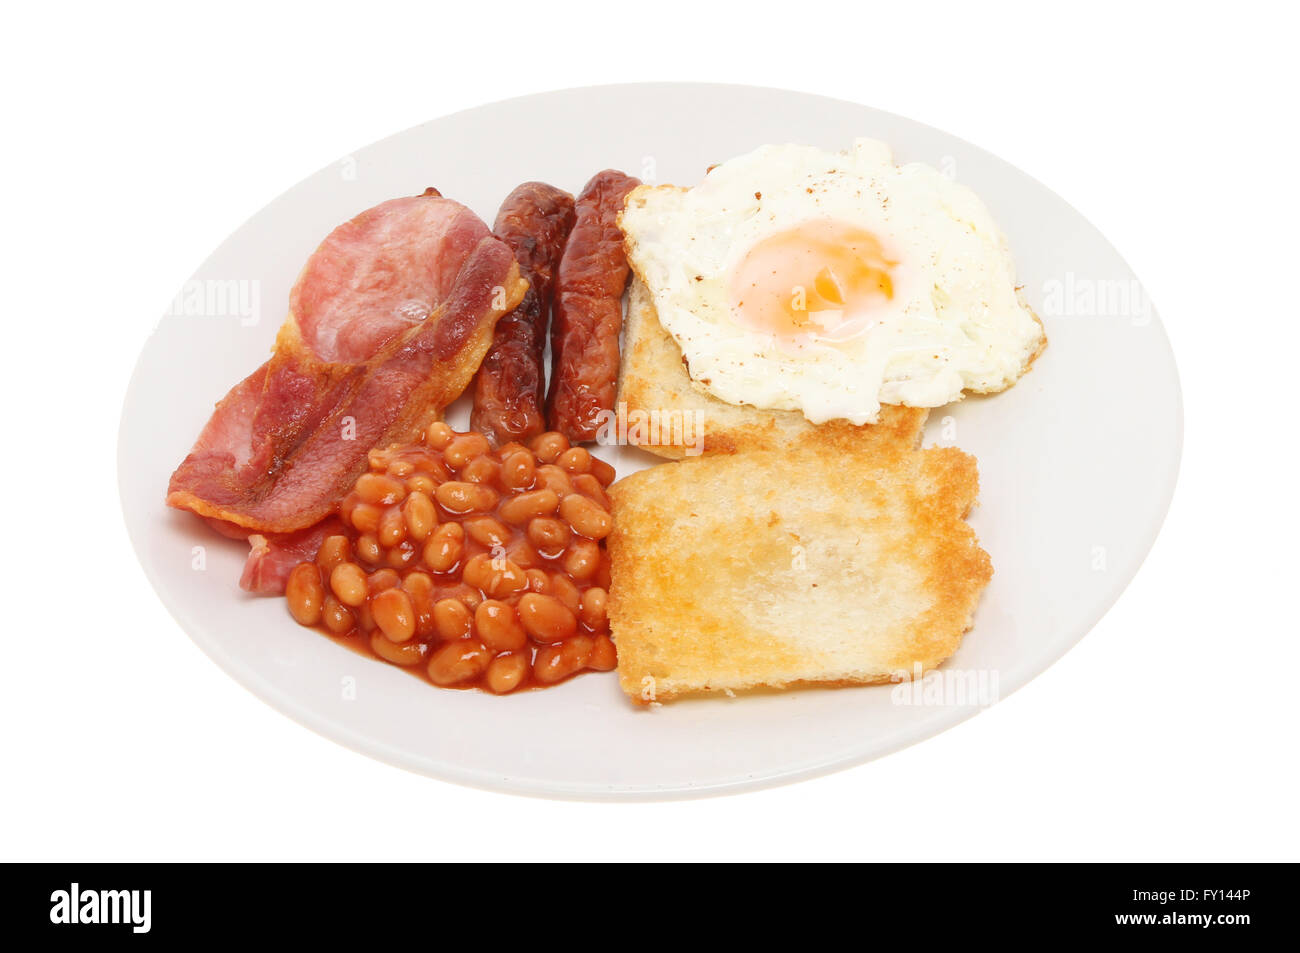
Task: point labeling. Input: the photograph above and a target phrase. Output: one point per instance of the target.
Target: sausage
(589, 310)
(534, 222)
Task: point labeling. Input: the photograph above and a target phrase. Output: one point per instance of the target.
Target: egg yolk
(813, 280)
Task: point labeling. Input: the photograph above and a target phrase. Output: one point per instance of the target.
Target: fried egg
(798, 279)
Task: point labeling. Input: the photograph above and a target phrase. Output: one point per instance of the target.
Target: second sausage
(534, 221)
(589, 310)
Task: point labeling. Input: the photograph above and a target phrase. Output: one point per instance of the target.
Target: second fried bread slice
(772, 569)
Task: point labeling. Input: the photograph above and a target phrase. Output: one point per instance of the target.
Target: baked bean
(419, 586)
(337, 617)
(458, 662)
(593, 613)
(556, 662)
(463, 448)
(368, 549)
(437, 435)
(523, 555)
(538, 581)
(562, 588)
(505, 673)
(392, 527)
(554, 479)
(422, 483)
(549, 446)
(379, 458)
(497, 626)
(574, 460)
(518, 470)
(335, 550)
(382, 579)
(549, 535)
(526, 506)
(457, 496)
(305, 594)
(459, 590)
(445, 547)
(434, 468)
(582, 559)
(546, 618)
(399, 653)
(602, 471)
(394, 614)
(466, 594)
(365, 517)
(380, 490)
(402, 556)
(347, 505)
(451, 619)
(507, 450)
(585, 516)
(498, 578)
(604, 657)
(589, 486)
(481, 470)
(365, 619)
(488, 531)
(420, 515)
(348, 584)
(401, 469)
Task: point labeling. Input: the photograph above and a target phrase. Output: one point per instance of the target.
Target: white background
(137, 139)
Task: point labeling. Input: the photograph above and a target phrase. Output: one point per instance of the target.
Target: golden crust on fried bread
(771, 570)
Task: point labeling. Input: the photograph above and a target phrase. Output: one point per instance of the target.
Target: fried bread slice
(681, 419)
(775, 569)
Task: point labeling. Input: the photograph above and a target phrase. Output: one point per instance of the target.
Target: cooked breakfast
(803, 310)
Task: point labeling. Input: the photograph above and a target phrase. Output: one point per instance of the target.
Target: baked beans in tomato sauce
(480, 568)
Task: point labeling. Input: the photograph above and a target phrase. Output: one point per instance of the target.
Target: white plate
(1077, 462)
